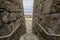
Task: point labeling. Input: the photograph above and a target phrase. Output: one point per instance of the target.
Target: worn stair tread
(29, 36)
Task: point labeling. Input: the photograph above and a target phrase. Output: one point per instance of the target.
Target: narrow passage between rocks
(29, 35)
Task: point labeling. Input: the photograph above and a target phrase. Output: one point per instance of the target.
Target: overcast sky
(28, 6)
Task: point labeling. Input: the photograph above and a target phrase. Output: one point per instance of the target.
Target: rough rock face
(11, 15)
(47, 13)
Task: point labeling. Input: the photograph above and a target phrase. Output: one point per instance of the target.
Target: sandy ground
(29, 35)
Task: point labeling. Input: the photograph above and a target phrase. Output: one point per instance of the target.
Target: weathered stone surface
(47, 13)
(11, 15)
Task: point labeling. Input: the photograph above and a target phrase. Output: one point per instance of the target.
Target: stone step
(29, 36)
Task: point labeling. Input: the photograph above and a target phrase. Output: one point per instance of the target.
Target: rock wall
(46, 13)
(11, 15)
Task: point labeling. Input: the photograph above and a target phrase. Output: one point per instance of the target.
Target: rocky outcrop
(47, 13)
(11, 15)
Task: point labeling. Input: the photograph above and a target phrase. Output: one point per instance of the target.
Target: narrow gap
(28, 11)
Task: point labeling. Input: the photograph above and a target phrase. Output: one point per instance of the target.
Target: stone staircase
(29, 35)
